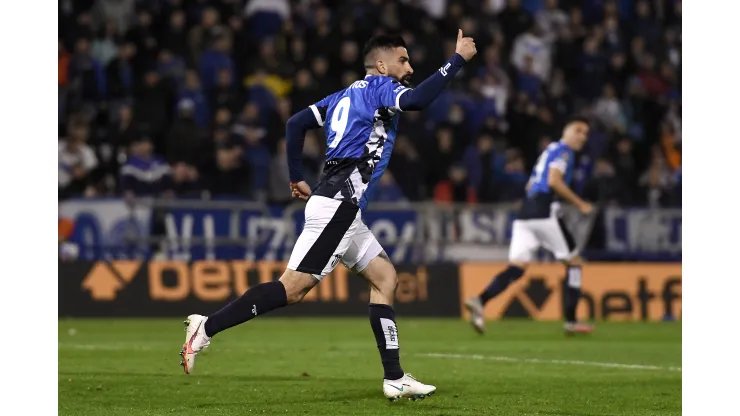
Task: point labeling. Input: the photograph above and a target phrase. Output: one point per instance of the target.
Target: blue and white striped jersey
(361, 122)
(539, 200)
(146, 177)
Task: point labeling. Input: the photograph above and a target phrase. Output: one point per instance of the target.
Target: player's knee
(297, 285)
(387, 282)
(381, 275)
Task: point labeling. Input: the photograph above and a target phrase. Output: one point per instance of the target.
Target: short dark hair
(382, 42)
(577, 119)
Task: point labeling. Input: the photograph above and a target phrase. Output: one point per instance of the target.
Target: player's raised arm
(425, 93)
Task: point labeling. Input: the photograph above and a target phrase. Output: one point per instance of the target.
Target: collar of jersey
(371, 75)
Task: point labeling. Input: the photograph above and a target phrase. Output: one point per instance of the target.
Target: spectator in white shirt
(609, 110)
(531, 43)
(551, 20)
(76, 163)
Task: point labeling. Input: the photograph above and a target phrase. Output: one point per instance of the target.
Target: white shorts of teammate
(333, 231)
(528, 235)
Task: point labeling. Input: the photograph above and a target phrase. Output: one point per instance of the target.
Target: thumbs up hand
(465, 47)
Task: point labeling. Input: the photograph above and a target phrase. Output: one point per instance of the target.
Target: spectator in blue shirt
(644, 25)
(214, 59)
(480, 161)
(258, 158)
(194, 96)
(266, 16)
(591, 69)
(86, 74)
(528, 82)
(478, 106)
(120, 73)
(145, 174)
(514, 181)
(171, 67)
(262, 96)
(387, 190)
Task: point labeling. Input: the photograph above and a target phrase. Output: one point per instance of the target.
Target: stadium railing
(410, 232)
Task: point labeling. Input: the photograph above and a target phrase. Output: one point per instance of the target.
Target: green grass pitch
(277, 366)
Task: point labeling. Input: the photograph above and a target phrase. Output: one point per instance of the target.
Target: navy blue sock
(571, 292)
(501, 282)
(383, 323)
(259, 299)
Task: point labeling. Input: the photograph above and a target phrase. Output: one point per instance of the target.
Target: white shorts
(530, 234)
(333, 231)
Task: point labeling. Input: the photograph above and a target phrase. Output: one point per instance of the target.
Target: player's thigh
(557, 239)
(524, 242)
(326, 236)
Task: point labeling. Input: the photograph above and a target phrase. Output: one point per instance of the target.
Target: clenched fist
(300, 190)
(465, 46)
(586, 208)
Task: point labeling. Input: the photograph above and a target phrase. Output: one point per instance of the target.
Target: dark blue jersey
(361, 122)
(540, 197)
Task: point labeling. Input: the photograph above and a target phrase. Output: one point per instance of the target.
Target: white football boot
(406, 386)
(475, 307)
(195, 341)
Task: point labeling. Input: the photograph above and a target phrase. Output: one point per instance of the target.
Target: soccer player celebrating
(360, 123)
(539, 224)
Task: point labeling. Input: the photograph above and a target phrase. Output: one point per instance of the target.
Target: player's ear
(381, 67)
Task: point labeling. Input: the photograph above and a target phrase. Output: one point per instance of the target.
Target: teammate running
(539, 224)
(360, 123)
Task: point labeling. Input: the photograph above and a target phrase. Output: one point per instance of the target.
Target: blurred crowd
(189, 98)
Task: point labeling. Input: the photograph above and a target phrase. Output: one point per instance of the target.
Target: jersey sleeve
(389, 94)
(561, 160)
(319, 108)
(295, 134)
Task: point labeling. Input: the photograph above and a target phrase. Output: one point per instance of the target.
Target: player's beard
(406, 81)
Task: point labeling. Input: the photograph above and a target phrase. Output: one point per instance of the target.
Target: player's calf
(383, 323)
(259, 300)
(572, 289)
(571, 296)
(502, 281)
(499, 283)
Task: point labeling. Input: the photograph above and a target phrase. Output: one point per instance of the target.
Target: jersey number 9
(539, 169)
(339, 120)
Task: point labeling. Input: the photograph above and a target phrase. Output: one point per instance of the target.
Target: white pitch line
(138, 347)
(152, 347)
(560, 362)
(105, 347)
